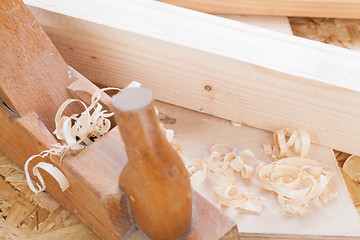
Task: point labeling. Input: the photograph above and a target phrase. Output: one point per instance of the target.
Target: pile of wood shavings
(296, 180)
(75, 133)
(26, 215)
(220, 167)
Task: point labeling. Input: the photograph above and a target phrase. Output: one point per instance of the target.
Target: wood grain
(235, 71)
(26, 57)
(300, 8)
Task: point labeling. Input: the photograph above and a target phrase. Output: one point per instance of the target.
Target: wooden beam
(299, 8)
(213, 65)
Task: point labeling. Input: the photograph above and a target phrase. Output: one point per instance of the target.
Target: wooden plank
(300, 8)
(225, 68)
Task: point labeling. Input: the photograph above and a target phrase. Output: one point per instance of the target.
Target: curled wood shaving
(51, 169)
(238, 163)
(297, 181)
(299, 138)
(220, 167)
(75, 133)
(229, 196)
(221, 176)
(198, 170)
(79, 131)
(352, 167)
(221, 148)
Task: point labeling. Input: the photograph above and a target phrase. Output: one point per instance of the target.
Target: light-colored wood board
(300, 8)
(225, 68)
(198, 132)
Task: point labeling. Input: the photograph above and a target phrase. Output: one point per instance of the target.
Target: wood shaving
(51, 169)
(244, 200)
(299, 138)
(352, 168)
(220, 166)
(170, 137)
(297, 181)
(74, 132)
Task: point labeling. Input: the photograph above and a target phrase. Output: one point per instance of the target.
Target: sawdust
(339, 32)
(26, 215)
